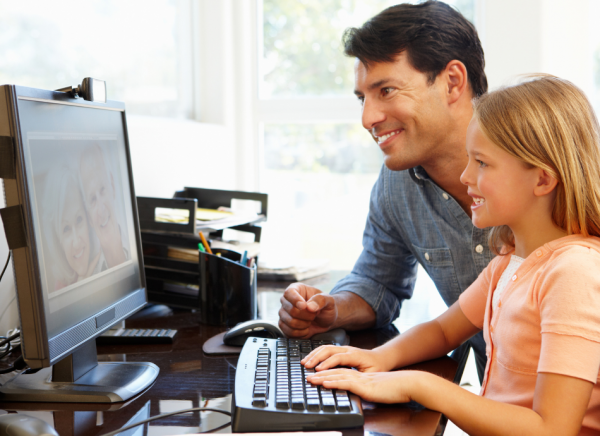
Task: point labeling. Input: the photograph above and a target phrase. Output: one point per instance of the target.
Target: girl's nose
(465, 176)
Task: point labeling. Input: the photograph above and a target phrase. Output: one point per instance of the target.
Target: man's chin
(395, 164)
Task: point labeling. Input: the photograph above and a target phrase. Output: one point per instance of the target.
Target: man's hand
(306, 311)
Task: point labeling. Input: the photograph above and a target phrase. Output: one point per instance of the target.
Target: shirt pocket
(439, 265)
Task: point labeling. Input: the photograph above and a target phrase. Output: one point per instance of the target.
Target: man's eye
(361, 100)
(386, 91)
(66, 229)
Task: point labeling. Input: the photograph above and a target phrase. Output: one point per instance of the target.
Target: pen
(206, 246)
(244, 258)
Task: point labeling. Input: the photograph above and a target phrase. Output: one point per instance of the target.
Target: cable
(164, 415)
(17, 366)
(6, 346)
(5, 265)
(6, 340)
(2, 275)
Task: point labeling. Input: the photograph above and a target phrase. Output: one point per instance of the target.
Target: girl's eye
(481, 164)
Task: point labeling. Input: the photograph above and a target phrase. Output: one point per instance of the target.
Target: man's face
(407, 117)
(99, 197)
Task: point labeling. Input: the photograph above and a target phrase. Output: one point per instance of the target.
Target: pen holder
(219, 288)
(227, 289)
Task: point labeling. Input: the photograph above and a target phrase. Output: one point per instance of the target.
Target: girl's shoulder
(573, 247)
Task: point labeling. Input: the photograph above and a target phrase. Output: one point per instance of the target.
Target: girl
(533, 172)
(72, 245)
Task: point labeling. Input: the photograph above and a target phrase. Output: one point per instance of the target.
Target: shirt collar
(418, 174)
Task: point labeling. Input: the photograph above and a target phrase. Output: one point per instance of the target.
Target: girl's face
(501, 185)
(74, 233)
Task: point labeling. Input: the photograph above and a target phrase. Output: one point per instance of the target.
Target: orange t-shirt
(548, 320)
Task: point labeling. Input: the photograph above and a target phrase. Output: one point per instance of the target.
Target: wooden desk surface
(189, 378)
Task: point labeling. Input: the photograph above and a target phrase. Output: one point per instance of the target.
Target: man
(418, 67)
(99, 192)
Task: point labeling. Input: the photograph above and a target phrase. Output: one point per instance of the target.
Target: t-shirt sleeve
(473, 301)
(569, 301)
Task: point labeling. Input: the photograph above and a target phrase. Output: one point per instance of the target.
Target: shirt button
(426, 256)
(446, 197)
(538, 253)
(514, 277)
(479, 248)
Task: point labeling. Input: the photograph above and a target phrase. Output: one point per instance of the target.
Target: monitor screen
(81, 209)
(77, 250)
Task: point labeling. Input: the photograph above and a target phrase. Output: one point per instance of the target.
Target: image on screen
(80, 205)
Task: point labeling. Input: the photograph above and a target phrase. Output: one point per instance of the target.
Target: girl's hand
(379, 387)
(329, 356)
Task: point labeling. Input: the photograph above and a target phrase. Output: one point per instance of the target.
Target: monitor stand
(81, 378)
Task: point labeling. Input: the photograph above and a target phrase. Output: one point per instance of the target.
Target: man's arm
(371, 295)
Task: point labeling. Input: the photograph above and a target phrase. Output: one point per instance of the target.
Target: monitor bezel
(37, 350)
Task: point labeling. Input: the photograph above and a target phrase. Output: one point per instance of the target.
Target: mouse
(260, 328)
(263, 328)
(16, 424)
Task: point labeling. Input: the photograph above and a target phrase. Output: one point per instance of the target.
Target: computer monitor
(72, 225)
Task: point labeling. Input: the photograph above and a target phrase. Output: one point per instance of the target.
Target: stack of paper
(299, 270)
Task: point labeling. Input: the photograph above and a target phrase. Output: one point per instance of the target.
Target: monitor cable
(7, 347)
(164, 415)
(5, 265)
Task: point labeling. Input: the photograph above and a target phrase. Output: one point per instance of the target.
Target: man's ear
(546, 183)
(456, 80)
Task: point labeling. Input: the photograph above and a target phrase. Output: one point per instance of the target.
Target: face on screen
(100, 195)
(74, 233)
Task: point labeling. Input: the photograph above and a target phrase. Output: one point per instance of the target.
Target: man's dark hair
(431, 33)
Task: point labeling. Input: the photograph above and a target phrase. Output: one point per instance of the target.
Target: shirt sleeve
(385, 273)
(569, 300)
(473, 301)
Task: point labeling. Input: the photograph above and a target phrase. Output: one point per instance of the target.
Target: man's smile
(384, 138)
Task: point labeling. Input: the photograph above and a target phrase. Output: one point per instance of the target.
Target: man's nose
(372, 114)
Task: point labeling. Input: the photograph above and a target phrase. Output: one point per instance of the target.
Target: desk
(188, 378)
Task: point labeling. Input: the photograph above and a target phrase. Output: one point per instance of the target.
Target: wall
(549, 36)
(169, 154)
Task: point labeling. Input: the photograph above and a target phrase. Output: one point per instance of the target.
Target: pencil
(209, 251)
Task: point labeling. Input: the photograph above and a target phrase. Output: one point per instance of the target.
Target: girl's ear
(546, 183)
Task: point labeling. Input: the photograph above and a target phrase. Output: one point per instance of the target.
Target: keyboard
(123, 336)
(271, 392)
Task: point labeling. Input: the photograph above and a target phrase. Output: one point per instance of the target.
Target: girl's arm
(559, 403)
(423, 342)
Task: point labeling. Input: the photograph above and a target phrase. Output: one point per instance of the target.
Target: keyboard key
(329, 404)
(344, 406)
(297, 403)
(282, 403)
(313, 404)
(259, 402)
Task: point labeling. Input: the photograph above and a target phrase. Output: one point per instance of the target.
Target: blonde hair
(548, 123)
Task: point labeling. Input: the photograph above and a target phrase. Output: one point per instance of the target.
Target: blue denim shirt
(411, 219)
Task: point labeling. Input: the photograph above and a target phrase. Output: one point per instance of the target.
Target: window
(144, 57)
(319, 164)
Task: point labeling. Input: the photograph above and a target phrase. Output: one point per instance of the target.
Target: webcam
(90, 89)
